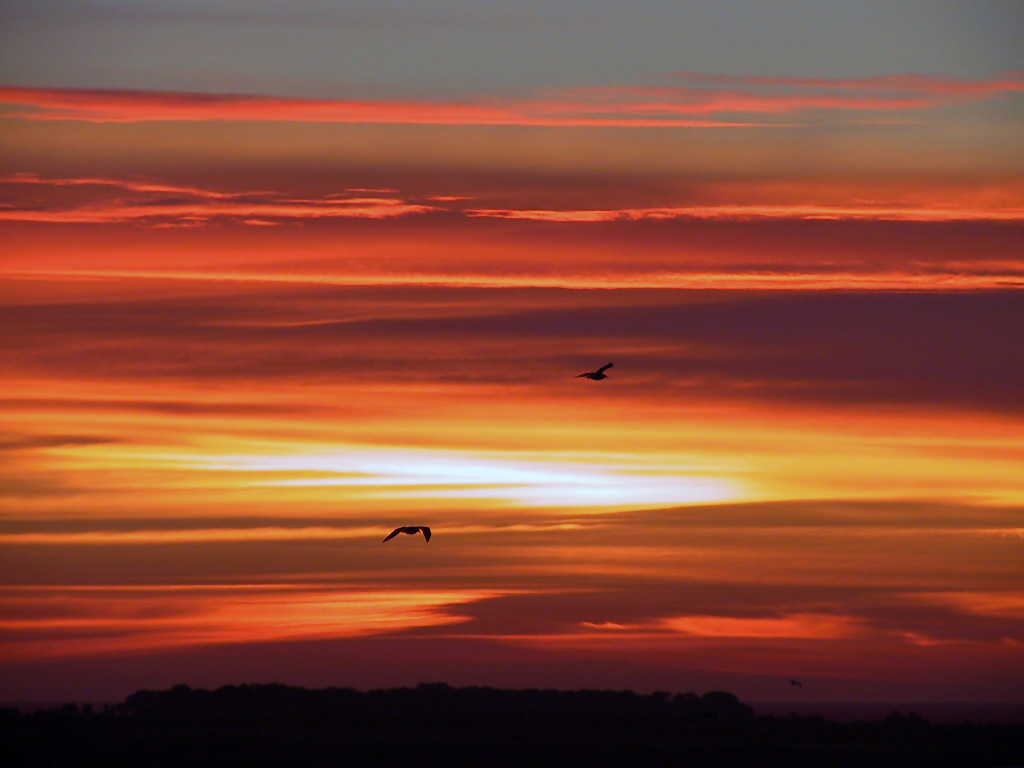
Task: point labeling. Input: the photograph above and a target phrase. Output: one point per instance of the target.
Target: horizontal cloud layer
(93, 200)
(692, 105)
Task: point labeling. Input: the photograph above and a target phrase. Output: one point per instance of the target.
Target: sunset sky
(277, 277)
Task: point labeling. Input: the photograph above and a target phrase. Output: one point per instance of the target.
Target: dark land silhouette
(438, 725)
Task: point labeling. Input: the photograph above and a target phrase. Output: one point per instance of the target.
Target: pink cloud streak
(106, 106)
(692, 105)
(1007, 82)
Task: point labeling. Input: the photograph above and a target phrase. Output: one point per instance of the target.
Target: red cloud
(130, 185)
(176, 205)
(762, 211)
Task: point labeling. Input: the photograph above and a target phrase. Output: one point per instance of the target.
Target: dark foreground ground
(436, 725)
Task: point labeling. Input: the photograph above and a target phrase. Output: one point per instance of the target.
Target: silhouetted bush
(438, 725)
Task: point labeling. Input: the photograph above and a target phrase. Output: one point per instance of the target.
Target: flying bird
(596, 375)
(797, 683)
(410, 529)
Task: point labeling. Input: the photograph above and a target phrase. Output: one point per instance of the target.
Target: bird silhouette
(596, 375)
(797, 683)
(410, 529)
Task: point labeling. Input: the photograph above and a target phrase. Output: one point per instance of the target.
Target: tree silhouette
(437, 725)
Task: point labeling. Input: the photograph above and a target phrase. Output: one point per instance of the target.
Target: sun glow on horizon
(537, 481)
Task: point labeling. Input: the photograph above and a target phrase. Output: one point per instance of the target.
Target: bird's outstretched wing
(426, 532)
(392, 534)
(604, 368)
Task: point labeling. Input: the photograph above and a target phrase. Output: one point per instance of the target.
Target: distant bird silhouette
(797, 683)
(410, 529)
(596, 375)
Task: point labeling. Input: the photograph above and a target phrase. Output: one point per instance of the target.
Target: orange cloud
(191, 535)
(1006, 276)
(158, 204)
(1001, 604)
(612, 106)
(664, 632)
(104, 106)
(132, 185)
(61, 622)
(935, 213)
(817, 626)
(163, 204)
(251, 534)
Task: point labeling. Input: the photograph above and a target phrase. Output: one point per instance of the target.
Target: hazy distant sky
(332, 49)
(279, 277)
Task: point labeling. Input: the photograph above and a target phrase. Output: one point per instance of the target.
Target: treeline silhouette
(438, 725)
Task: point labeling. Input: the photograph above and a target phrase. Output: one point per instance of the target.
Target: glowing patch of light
(451, 475)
